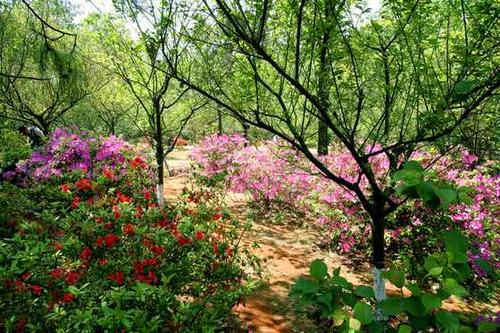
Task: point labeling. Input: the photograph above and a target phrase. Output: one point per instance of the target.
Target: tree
(40, 77)
(142, 68)
(402, 81)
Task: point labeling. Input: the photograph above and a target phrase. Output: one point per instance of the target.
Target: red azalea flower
(157, 250)
(84, 184)
(138, 162)
(36, 289)
(108, 225)
(68, 298)
(229, 252)
(123, 198)
(90, 201)
(72, 278)
(163, 223)
(217, 216)
(138, 267)
(59, 233)
(21, 325)
(116, 212)
(215, 247)
(57, 246)
(128, 229)
(138, 212)
(183, 241)
(147, 195)
(147, 243)
(111, 240)
(100, 241)
(116, 277)
(75, 202)
(152, 277)
(65, 188)
(99, 220)
(200, 235)
(102, 261)
(108, 174)
(57, 273)
(150, 262)
(86, 253)
(26, 276)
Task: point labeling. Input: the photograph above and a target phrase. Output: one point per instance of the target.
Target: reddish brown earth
(286, 252)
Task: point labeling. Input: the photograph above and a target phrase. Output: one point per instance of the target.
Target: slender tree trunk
(219, 122)
(322, 138)
(160, 156)
(322, 84)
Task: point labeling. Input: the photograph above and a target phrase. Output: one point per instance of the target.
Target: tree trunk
(322, 138)
(160, 156)
(219, 122)
(322, 85)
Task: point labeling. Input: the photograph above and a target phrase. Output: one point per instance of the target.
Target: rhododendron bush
(275, 174)
(85, 248)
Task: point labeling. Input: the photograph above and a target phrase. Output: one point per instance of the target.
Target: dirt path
(286, 253)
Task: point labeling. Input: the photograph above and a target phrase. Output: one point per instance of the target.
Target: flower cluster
(70, 150)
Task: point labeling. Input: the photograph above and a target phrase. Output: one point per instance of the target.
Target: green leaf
(487, 326)
(425, 191)
(354, 324)
(326, 299)
(414, 306)
(342, 282)
(339, 317)
(451, 286)
(413, 165)
(392, 306)
(463, 88)
(365, 291)
(431, 301)
(363, 312)
(446, 196)
(304, 286)
(396, 277)
(318, 269)
(415, 290)
(435, 271)
(404, 329)
(448, 321)
(455, 242)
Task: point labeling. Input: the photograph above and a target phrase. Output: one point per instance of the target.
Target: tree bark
(322, 85)
(160, 155)
(219, 122)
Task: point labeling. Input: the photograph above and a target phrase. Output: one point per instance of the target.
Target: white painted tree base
(379, 289)
(159, 195)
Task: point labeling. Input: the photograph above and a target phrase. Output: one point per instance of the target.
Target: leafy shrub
(13, 148)
(354, 309)
(90, 250)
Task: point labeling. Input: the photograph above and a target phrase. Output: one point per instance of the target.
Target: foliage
(351, 308)
(12, 148)
(87, 249)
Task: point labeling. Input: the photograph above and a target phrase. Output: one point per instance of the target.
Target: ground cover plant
(86, 248)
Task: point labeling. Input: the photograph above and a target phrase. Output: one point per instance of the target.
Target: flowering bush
(277, 175)
(89, 250)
